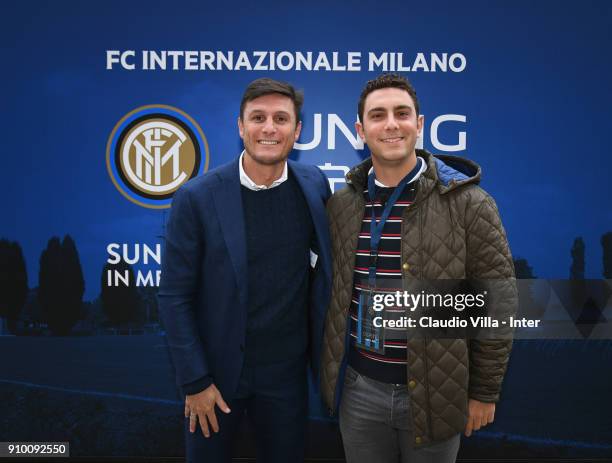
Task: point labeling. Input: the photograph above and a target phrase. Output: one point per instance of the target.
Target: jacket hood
(443, 171)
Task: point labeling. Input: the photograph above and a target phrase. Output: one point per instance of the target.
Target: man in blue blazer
(245, 285)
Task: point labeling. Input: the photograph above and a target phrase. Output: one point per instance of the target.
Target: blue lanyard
(376, 228)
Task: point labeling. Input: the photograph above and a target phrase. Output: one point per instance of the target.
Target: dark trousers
(274, 399)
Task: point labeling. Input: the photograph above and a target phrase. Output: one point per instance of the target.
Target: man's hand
(479, 414)
(201, 406)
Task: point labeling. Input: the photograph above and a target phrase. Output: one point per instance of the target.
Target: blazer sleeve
(326, 189)
(177, 294)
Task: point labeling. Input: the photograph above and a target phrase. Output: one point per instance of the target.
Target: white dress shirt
(246, 181)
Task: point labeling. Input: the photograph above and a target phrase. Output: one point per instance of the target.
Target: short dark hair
(385, 81)
(267, 86)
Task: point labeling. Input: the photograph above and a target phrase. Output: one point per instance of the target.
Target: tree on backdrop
(523, 270)
(606, 244)
(149, 300)
(528, 306)
(61, 285)
(577, 268)
(121, 302)
(13, 283)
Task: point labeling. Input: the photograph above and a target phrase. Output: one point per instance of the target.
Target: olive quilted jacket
(451, 231)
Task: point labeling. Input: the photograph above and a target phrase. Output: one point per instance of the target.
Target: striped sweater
(389, 367)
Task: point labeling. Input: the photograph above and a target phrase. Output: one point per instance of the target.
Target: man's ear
(359, 129)
(420, 122)
(298, 130)
(240, 127)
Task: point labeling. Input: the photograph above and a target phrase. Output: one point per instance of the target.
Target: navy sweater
(279, 232)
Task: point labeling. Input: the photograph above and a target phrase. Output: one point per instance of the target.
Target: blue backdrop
(534, 92)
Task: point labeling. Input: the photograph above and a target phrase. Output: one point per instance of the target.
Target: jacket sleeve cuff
(197, 386)
(485, 398)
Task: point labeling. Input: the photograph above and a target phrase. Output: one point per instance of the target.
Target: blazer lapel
(228, 203)
(308, 183)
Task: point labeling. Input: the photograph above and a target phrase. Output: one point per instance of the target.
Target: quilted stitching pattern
(450, 232)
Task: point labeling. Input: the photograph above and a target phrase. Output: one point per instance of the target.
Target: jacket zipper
(426, 361)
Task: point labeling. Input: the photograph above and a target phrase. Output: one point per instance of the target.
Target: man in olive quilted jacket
(408, 216)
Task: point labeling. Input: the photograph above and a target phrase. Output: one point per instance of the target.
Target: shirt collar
(422, 168)
(246, 181)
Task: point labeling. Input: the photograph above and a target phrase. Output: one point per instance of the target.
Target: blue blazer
(203, 291)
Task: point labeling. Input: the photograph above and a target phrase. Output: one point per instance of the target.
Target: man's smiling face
(390, 125)
(269, 128)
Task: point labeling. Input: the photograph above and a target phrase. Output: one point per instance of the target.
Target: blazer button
(412, 384)
(405, 266)
(418, 440)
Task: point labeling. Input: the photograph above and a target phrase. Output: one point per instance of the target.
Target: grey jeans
(376, 425)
